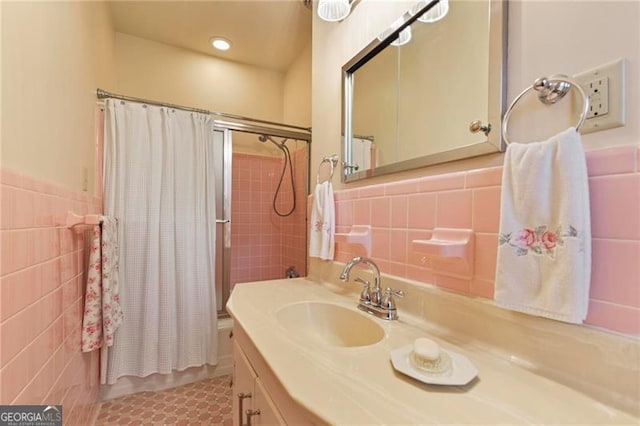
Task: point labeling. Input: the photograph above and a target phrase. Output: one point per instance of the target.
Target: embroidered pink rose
(537, 241)
(549, 240)
(526, 238)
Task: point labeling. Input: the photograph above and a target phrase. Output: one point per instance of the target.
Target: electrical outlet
(598, 94)
(605, 88)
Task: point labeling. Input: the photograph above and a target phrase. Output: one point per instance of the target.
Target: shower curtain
(159, 184)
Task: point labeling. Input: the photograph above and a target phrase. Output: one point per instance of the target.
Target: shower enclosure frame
(226, 128)
(226, 123)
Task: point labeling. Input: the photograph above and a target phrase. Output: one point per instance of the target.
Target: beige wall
(49, 79)
(297, 90)
(574, 49)
(54, 56)
(151, 70)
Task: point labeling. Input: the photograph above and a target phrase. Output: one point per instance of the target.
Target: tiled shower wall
(264, 245)
(294, 243)
(41, 299)
(403, 211)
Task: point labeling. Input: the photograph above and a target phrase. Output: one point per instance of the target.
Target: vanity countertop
(358, 385)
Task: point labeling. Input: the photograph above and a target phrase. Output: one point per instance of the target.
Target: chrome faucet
(371, 301)
(375, 293)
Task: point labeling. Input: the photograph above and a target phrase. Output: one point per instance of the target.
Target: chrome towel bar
(550, 90)
(333, 161)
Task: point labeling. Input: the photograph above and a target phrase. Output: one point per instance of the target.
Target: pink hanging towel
(102, 311)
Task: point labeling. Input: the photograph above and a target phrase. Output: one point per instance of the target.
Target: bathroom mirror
(410, 96)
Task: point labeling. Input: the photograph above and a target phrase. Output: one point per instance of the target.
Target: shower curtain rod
(103, 94)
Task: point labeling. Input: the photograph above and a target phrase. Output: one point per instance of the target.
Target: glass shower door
(222, 166)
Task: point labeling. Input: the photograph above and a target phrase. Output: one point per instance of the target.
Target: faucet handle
(387, 300)
(365, 295)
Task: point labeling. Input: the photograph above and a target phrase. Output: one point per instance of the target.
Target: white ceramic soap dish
(462, 370)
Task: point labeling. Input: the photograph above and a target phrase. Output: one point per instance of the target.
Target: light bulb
(220, 43)
(436, 13)
(403, 37)
(333, 10)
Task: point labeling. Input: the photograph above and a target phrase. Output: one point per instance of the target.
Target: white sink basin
(329, 324)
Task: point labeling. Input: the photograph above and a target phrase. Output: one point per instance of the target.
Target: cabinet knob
(476, 126)
(250, 414)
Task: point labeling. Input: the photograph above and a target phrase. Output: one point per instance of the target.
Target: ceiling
(263, 33)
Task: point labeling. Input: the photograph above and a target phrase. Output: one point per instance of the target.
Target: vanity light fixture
(436, 13)
(404, 36)
(220, 43)
(334, 10)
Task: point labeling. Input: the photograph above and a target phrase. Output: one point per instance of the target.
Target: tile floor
(207, 402)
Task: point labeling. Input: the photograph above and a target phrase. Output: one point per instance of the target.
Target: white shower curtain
(159, 184)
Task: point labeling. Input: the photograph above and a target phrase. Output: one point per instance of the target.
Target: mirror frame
(498, 12)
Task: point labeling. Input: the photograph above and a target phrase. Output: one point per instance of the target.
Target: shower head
(265, 138)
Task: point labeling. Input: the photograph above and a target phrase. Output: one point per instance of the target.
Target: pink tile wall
(294, 241)
(400, 212)
(41, 299)
(264, 245)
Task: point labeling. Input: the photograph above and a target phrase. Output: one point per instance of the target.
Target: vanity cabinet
(249, 393)
(252, 374)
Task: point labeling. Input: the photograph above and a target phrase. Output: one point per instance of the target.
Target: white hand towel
(544, 253)
(366, 154)
(357, 153)
(323, 222)
(362, 153)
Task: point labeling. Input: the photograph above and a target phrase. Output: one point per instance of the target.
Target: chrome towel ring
(333, 161)
(550, 90)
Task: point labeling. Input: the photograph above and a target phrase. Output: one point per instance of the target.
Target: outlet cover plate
(614, 75)
(598, 93)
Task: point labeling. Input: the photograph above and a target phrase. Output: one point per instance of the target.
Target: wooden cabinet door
(269, 414)
(244, 379)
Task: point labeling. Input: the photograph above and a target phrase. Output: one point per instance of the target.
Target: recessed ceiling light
(220, 43)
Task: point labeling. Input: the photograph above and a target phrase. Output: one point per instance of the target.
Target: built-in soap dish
(358, 234)
(449, 250)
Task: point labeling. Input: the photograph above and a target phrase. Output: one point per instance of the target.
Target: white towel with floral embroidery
(544, 252)
(323, 222)
(102, 312)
